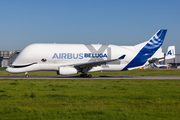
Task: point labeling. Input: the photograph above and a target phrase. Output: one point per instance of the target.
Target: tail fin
(147, 49)
(155, 42)
(170, 52)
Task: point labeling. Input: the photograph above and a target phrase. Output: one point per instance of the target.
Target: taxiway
(94, 77)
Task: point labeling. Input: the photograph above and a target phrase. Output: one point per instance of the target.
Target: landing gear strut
(85, 72)
(86, 75)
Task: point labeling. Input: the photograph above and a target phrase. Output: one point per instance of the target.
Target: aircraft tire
(81, 75)
(90, 76)
(86, 75)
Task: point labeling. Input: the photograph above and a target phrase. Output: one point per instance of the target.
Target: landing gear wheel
(86, 75)
(90, 76)
(81, 75)
(26, 74)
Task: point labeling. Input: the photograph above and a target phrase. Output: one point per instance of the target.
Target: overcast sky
(119, 22)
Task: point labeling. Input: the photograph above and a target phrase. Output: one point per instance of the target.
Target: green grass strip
(89, 99)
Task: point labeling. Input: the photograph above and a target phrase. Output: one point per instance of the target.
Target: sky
(118, 22)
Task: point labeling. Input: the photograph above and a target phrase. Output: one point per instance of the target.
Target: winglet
(122, 57)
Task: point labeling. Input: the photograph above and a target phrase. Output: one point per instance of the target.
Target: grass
(89, 99)
(137, 72)
(2, 69)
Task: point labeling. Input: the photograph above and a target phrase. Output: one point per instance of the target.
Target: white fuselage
(73, 58)
(57, 55)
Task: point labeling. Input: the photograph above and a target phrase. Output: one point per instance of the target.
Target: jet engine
(67, 71)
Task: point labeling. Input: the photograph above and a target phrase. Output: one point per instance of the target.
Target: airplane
(161, 66)
(160, 56)
(170, 54)
(67, 59)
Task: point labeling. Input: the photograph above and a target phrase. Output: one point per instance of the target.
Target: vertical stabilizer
(147, 49)
(170, 54)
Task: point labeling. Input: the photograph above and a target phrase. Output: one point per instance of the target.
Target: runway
(94, 77)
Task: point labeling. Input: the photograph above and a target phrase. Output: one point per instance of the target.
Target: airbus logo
(78, 55)
(94, 54)
(169, 53)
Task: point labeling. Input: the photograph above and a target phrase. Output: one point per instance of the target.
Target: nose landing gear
(26, 74)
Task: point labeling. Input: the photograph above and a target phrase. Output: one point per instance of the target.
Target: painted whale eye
(43, 60)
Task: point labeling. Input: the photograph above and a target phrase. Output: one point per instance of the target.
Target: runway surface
(94, 77)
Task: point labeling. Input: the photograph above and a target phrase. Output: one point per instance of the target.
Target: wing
(154, 60)
(96, 63)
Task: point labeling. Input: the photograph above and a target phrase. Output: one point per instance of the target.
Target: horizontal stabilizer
(155, 60)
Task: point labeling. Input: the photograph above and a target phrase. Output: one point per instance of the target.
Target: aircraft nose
(9, 69)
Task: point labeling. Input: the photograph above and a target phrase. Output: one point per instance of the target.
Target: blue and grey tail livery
(155, 42)
(147, 49)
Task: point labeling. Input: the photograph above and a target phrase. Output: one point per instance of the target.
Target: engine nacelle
(66, 71)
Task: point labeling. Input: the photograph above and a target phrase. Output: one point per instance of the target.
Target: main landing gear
(84, 72)
(86, 75)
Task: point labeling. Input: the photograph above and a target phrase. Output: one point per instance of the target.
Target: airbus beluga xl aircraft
(69, 59)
